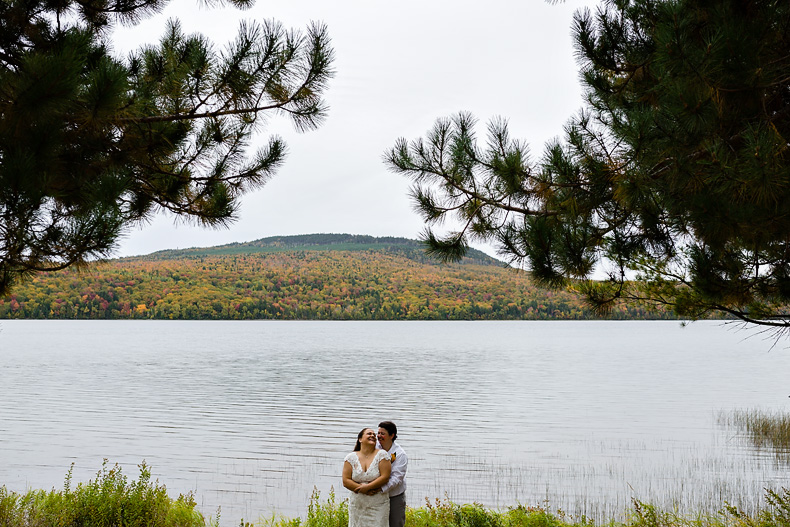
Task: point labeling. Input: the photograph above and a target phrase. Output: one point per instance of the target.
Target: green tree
(673, 178)
(91, 143)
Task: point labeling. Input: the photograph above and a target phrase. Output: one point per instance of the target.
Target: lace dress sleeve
(351, 457)
(381, 455)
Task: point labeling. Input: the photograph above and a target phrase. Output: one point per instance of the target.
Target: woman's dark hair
(391, 429)
(358, 446)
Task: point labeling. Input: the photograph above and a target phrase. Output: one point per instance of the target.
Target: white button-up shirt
(397, 482)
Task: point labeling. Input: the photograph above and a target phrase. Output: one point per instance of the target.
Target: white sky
(400, 66)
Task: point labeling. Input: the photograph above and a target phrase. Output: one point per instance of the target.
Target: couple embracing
(375, 474)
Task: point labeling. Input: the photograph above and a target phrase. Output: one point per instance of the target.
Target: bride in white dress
(365, 470)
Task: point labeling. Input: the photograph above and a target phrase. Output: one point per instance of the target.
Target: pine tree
(673, 178)
(91, 143)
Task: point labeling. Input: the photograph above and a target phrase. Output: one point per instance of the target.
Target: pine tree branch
(204, 115)
(91, 6)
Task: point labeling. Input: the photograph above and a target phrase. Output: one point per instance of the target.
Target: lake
(252, 416)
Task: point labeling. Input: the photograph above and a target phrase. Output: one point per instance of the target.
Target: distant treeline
(411, 249)
(383, 284)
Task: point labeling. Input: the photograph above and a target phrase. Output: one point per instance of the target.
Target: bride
(365, 470)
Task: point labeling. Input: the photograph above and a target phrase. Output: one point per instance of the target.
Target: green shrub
(330, 513)
(108, 501)
(327, 514)
(778, 515)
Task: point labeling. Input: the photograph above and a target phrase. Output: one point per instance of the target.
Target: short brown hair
(391, 429)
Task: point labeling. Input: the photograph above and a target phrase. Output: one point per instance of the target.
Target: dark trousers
(398, 510)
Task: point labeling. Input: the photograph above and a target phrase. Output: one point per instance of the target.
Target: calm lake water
(253, 415)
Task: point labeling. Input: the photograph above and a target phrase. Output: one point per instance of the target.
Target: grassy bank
(110, 500)
(331, 513)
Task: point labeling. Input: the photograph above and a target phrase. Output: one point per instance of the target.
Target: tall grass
(329, 513)
(110, 500)
(448, 514)
(762, 428)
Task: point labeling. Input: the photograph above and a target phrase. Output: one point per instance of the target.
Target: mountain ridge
(306, 277)
(319, 242)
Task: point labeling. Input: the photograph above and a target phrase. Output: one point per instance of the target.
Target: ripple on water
(253, 416)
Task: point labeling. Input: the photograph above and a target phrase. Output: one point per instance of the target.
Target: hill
(322, 276)
(411, 249)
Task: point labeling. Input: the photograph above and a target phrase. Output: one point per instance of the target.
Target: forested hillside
(340, 277)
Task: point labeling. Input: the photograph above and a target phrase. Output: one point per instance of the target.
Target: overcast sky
(399, 66)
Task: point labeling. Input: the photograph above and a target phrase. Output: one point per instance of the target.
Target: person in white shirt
(396, 486)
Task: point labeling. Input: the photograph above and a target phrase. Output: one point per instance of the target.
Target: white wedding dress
(364, 510)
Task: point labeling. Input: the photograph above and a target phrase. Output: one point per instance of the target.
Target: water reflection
(253, 415)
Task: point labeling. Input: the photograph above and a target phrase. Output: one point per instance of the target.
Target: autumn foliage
(338, 282)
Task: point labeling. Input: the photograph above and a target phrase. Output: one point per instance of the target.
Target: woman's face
(368, 436)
